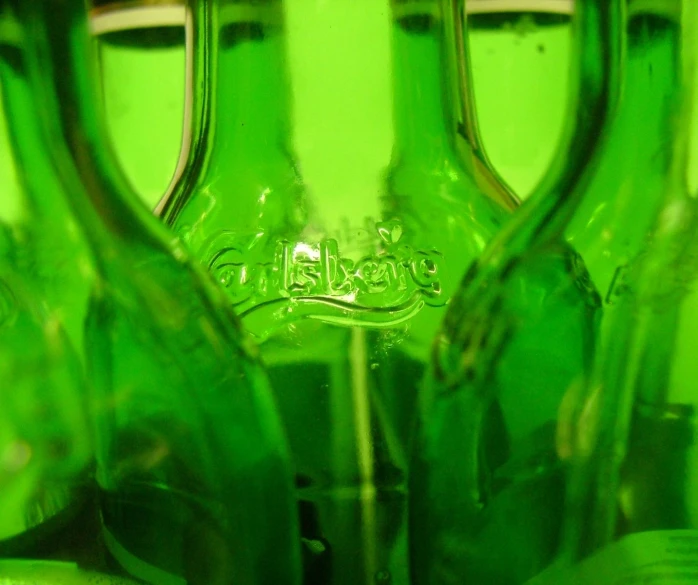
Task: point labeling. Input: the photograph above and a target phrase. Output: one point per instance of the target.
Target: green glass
(140, 52)
(488, 485)
(46, 245)
(45, 275)
(46, 447)
(611, 226)
(520, 55)
(631, 511)
(192, 471)
(336, 188)
(21, 572)
(511, 370)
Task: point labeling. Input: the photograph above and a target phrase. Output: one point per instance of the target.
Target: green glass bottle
(631, 510)
(192, 467)
(512, 372)
(45, 275)
(487, 486)
(520, 53)
(609, 231)
(336, 187)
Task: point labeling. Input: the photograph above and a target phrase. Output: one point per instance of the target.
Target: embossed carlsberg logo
(314, 280)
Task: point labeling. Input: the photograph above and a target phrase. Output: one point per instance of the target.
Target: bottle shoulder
(525, 305)
(164, 292)
(165, 333)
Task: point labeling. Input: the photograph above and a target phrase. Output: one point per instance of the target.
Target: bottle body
(191, 473)
(141, 67)
(489, 481)
(631, 508)
(488, 488)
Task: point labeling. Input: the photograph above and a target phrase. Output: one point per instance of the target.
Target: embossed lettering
(394, 278)
(425, 271)
(229, 267)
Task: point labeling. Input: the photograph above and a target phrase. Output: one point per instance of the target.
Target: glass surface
(191, 482)
(519, 54)
(337, 192)
(489, 480)
(510, 386)
(45, 274)
(634, 500)
(44, 243)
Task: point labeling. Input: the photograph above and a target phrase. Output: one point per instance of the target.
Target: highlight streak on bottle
(555, 6)
(147, 16)
(23, 572)
(362, 415)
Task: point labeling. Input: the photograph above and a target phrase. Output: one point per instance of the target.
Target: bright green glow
(520, 83)
(338, 215)
(344, 84)
(520, 78)
(143, 93)
(21, 572)
(11, 201)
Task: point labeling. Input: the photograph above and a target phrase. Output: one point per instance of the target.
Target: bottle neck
(250, 86)
(58, 92)
(433, 103)
(623, 196)
(596, 67)
(26, 178)
(465, 128)
(661, 279)
(407, 84)
(237, 103)
(422, 102)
